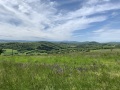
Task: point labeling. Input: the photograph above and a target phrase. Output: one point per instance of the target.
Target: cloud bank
(42, 20)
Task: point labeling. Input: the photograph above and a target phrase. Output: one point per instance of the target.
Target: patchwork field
(74, 71)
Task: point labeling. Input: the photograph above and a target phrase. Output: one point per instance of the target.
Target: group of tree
(56, 47)
(1, 51)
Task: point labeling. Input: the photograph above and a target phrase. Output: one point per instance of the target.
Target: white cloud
(106, 35)
(90, 10)
(91, 2)
(38, 19)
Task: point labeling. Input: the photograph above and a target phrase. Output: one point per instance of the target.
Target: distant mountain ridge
(7, 41)
(74, 42)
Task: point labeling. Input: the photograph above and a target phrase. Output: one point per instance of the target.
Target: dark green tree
(1, 51)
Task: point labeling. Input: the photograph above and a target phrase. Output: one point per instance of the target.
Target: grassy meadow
(95, 70)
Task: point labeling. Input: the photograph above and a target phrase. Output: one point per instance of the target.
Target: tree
(1, 51)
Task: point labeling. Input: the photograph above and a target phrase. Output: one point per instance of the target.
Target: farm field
(95, 70)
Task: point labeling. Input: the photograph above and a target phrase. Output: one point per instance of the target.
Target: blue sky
(60, 20)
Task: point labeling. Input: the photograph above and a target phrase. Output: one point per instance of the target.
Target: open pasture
(73, 71)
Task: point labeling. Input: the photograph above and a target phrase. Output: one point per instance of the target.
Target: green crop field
(94, 70)
(9, 52)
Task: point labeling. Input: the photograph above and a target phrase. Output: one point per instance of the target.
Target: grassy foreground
(75, 71)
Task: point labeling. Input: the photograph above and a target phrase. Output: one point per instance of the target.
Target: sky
(60, 20)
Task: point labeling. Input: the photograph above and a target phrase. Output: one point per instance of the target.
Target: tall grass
(75, 71)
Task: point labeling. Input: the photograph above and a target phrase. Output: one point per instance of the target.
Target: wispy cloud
(42, 20)
(106, 35)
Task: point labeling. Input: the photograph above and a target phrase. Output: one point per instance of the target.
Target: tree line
(56, 47)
